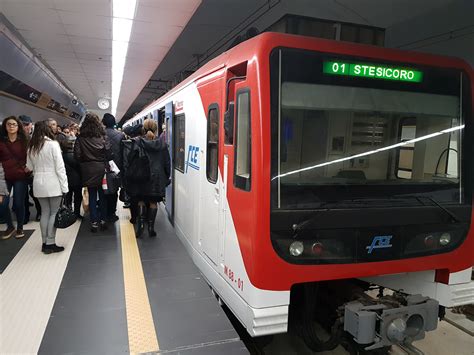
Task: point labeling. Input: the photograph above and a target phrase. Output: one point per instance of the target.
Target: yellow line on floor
(141, 330)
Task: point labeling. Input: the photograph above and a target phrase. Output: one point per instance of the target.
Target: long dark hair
(92, 127)
(21, 132)
(41, 131)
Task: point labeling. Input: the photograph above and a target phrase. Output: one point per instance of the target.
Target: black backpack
(138, 165)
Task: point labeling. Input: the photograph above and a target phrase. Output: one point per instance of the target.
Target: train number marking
(236, 280)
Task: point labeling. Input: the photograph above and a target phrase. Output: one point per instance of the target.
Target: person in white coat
(44, 158)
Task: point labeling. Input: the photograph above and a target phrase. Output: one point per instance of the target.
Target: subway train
(323, 182)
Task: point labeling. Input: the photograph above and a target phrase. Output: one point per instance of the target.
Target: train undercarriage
(364, 319)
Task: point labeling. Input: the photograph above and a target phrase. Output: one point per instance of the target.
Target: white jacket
(49, 173)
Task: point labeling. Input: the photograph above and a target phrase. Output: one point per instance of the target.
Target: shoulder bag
(65, 216)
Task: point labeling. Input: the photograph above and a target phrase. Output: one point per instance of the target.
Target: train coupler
(402, 320)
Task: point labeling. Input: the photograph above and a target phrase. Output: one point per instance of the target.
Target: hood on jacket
(155, 144)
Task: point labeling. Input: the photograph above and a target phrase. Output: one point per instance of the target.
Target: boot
(141, 220)
(151, 221)
(133, 214)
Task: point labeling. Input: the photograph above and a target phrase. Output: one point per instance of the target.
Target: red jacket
(14, 162)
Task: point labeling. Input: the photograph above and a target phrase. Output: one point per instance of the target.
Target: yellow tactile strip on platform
(141, 330)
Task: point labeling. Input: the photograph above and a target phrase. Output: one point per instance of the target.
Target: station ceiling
(74, 37)
(169, 37)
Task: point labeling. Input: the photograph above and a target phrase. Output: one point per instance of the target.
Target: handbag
(112, 183)
(111, 179)
(65, 216)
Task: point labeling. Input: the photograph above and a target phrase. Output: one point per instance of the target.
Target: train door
(237, 167)
(211, 189)
(169, 196)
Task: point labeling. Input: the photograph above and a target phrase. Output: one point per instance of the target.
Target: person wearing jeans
(4, 198)
(92, 150)
(97, 199)
(20, 189)
(49, 181)
(13, 145)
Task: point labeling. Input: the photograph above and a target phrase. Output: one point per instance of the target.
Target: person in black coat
(92, 150)
(115, 138)
(73, 172)
(146, 162)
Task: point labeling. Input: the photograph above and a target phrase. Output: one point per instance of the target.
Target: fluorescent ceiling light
(122, 28)
(124, 8)
(123, 13)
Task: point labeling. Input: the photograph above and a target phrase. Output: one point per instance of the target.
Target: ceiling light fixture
(123, 14)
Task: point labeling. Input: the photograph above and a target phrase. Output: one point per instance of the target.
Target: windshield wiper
(300, 226)
(454, 217)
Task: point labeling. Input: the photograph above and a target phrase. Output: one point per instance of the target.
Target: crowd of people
(52, 165)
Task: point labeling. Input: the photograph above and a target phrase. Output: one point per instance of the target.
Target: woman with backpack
(49, 181)
(13, 145)
(92, 151)
(146, 162)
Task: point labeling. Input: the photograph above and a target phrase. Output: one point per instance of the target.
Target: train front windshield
(348, 129)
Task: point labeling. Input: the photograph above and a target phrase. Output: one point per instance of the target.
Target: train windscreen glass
(346, 129)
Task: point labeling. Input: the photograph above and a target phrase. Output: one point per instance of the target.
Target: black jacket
(93, 154)
(115, 139)
(159, 159)
(73, 168)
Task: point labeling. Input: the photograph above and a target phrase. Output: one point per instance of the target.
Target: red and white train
(305, 170)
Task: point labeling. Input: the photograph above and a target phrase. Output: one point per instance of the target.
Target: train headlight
(296, 248)
(445, 239)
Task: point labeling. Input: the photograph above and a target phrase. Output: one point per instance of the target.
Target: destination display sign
(373, 71)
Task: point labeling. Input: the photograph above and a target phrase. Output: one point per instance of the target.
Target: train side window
(179, 140)
(242, 160)
(212, 143)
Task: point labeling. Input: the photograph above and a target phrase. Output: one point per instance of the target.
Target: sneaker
(43, 247)
(8, 233)
(19, 234)
(94, 227)
(52, 248)
(103, 225)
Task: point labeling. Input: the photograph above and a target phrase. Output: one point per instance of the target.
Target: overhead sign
(373, 71)
(15, 87)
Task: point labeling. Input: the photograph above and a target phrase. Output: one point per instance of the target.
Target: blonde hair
(150, 127)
